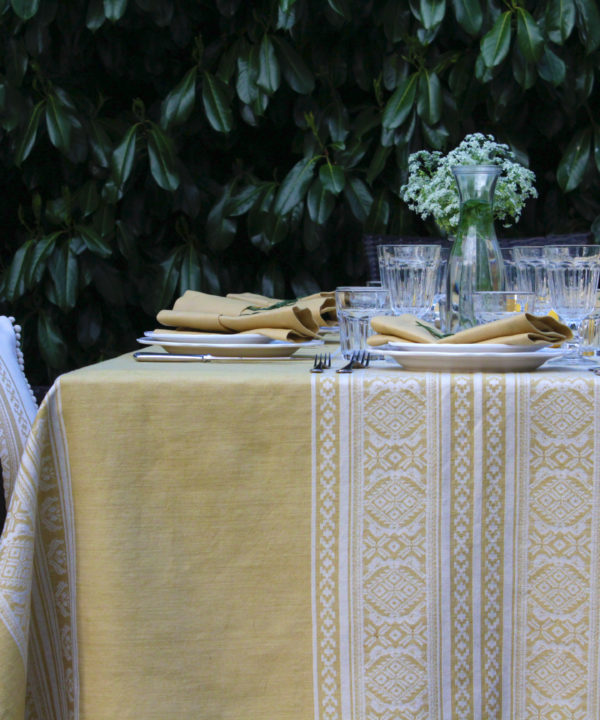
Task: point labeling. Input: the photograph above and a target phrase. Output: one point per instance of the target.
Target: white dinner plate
(203, 338)
(275, 348)
(463, 349)
(468, 362)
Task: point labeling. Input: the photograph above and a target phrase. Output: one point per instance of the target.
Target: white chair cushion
(17, 403)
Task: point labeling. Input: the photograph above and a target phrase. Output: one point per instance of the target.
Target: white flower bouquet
(431, 190)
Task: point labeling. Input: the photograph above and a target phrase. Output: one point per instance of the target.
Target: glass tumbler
(573, 274)
(496, 305)
(355, 307)
(532, 274)
(410, 273)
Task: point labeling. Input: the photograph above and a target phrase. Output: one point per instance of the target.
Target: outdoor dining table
(251, 541)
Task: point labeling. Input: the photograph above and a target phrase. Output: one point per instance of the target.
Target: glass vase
(475, 261)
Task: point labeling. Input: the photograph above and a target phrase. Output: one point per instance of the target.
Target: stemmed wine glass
(573, 274)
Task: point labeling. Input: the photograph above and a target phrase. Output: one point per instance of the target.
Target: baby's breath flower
(431, 190)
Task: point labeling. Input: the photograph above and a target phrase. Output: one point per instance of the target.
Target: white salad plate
(274, 348)
(203, 338)
(464, 349)
(468, 362)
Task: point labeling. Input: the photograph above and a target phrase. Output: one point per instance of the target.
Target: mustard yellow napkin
(522, 329)
(321, 305)
(279, 320)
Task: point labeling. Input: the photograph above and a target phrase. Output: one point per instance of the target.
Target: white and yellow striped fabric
(252, 541)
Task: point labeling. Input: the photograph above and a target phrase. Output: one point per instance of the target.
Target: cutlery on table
(322, 362)
(358, 361)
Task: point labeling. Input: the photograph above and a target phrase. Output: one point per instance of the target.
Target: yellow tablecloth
(249, 542)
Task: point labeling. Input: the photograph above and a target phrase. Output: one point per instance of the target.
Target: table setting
(370, 502)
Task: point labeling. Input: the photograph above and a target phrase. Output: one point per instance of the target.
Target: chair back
(371, 242)
(18, 406)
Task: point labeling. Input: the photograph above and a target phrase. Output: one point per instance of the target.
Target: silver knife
(148, 356)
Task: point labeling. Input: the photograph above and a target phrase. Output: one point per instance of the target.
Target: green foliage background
(149, 146)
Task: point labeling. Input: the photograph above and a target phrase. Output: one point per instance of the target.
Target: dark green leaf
(64, 272)
(89, 325)
(114, 9)
(128, 246)
(58, 211)
(378, 162)
(122, 158)
(88, 198)
(560, 19)
(14, 281)
(468, 15)
(25, 9)
(400, 103)
(51, 342)
(320, 202)
(574, 161)
(529, 36)
(37, 262)
(429, 97)
(190, 274)
(337, 121)
(269, 75)
(395, 18)
(495, 44)
(179, 103)
(215, 97)
(524, 73)
(162, 159)
(379, 216)
(588, 22)
(93, 241)
(332, 178)
(100, 144)
(341, 8)
(103, 220)
(597, 148)
(294, 186)
(303, 283)
(359, 198)
(58, 124)
(286, 19)
(220, 231)
(30, 134)
(436, 137)
(95, 16)
(272, 283)
(432, 12)
(243, 200)
(210, 277)
(551, 68)
(247, 65)
(17, 61)
(295, 71)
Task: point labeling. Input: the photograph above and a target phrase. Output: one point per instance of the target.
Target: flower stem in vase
(475, 262)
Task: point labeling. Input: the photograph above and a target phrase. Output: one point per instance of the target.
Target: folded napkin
(321, 305)
(521, 329)
(294, 320)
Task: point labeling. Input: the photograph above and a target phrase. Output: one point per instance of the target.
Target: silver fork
(358, 360)
(322, 362)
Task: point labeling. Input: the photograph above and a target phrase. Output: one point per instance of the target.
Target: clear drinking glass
(355, 307)
(409, 272)
(511, 278)
(496, 305)
(573, 274)
(532, 274)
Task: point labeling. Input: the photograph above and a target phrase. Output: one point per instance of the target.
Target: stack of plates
(224, 345)
(484, 357)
